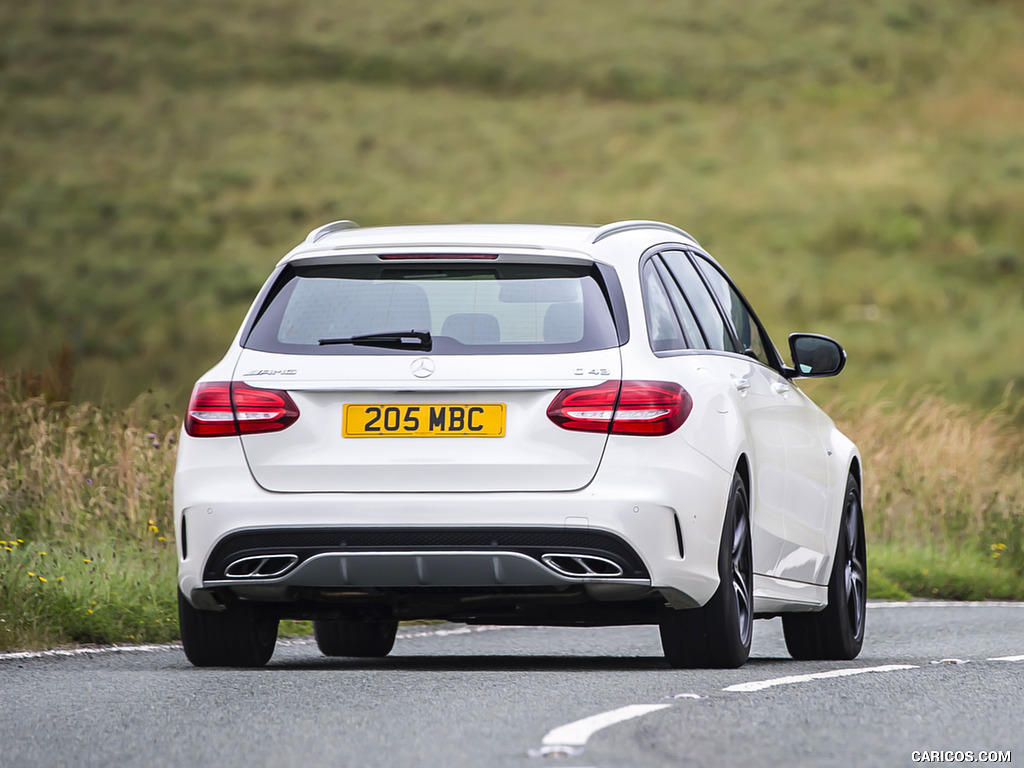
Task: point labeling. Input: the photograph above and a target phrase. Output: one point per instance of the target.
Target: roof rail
(329, 229)
(626, 226)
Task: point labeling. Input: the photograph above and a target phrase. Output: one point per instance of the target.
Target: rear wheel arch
(855, 471)
(743, 470)
(718, 634)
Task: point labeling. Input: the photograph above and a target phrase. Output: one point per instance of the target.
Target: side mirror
(815, 356)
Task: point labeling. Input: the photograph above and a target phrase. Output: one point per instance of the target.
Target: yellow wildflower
(42, 579)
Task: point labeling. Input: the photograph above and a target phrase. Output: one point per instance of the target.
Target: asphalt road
(475, 697)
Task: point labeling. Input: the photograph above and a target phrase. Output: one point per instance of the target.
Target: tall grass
(85, 470)
(943, 495)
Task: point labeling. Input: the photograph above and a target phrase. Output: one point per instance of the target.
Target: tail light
(220, 408)
(623, 408)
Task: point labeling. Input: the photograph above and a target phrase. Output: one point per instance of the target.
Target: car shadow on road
(479, 664)
(503, 663)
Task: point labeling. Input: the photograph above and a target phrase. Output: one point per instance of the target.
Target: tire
(837, 632)
(238, 636)
(364, 639)
(718, 634)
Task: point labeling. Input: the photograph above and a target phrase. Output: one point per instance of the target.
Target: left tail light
(219, 408)
(623, 408)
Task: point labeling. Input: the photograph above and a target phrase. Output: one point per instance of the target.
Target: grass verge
(96, 592)
(903, 571)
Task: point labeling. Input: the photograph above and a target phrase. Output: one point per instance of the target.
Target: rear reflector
(219, 408)
(623, 408)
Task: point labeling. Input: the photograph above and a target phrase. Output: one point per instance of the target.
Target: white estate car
(514, 424)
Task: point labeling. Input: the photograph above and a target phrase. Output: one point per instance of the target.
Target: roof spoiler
(329, 229)
(626, 226)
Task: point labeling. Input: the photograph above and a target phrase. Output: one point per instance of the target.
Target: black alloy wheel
(837, 632)
(361, 639)
(238, 636)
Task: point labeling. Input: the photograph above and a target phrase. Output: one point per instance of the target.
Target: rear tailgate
(477, 423)
(464, 407)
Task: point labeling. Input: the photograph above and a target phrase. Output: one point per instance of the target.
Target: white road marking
(456, 631)
(943, 604)
(100, 650)
(576, 734)
(761, 685)
(90, 651)
(1008, 658)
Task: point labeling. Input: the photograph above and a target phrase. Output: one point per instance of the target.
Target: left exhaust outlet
(261, 566)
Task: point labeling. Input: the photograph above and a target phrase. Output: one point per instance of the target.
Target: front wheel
(345, 637)
(718, 634)
(238, 636)
(837, 632)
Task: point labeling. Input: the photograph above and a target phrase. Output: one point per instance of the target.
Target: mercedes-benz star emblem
(422, 367)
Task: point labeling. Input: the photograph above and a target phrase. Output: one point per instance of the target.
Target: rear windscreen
(466, 309)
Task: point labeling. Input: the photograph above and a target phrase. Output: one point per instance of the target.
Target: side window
(704, 308)
(662, 326)
(691, 329)
(747, 329)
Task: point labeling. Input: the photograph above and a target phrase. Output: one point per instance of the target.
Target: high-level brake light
(437, 256)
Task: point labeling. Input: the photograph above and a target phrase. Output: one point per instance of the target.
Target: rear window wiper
(388, 340)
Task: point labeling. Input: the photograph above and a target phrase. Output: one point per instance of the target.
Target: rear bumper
(218, 502)
(450, 569)
(340, 556)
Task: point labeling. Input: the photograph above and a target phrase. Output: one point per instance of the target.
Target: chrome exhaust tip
(586, 566)
(261, 566)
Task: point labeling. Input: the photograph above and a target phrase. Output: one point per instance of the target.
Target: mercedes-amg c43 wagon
(514, 424)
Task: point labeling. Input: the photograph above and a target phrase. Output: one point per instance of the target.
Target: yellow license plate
(424, 420)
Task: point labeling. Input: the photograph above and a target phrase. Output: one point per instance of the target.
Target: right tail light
(623, 408)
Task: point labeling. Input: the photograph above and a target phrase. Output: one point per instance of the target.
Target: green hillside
(859, 167)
